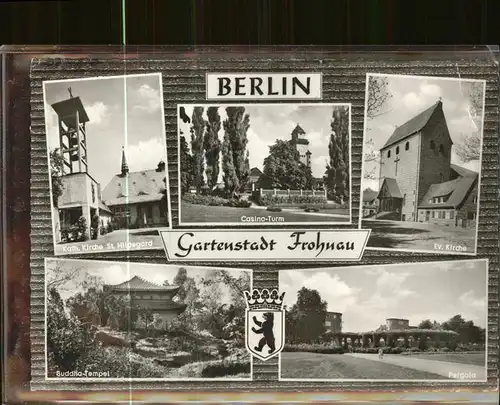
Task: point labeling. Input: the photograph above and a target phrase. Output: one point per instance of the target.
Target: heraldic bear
(266, 328)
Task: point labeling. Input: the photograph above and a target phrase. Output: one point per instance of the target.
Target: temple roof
(412, 126)
(138, 283)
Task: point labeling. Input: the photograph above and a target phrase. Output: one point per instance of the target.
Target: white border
(351, 268)
(443, 252)
(262, 224)
(167, 181)
(131, 379)
(271, 98)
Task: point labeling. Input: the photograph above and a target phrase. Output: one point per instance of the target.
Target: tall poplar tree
(212, 146)
(231, 182)
(235, 127)
(198, 124)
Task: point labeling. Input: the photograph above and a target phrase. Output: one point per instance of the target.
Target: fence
(288, 193)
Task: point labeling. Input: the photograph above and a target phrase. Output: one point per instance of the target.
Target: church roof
(135, 187)
(462, 171)
(392, 187)
(255, 171)
(412, 126)
(138, 283)
(457, 190)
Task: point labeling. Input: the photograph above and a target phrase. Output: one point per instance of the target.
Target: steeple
(124, 163)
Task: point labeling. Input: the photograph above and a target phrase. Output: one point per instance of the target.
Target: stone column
(407, 343)
(88, 218)
(365, 340)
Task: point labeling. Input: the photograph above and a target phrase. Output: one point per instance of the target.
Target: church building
(147, 296)
(418, 182)
(131, 199)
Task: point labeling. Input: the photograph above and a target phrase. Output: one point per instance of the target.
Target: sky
(367, 295)
(412, 95)
(134, 121)
(277, 121)
(118, 272)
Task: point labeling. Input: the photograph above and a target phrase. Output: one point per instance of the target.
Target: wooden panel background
(184, 82)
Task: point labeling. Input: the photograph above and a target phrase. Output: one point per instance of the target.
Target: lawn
(337, 366)
(476, 359)
(419, 236)
(194, 213)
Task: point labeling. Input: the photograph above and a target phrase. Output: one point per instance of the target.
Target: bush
(215, 201)
(311, 209)
(314, 348)
(268, 199)
(82, 228)
(225, 368)
(272, 208)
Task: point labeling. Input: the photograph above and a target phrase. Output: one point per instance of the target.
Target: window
(433, 214)
(388, 153)
(404, 199)
(397, 150)
(407, 146)
(452, 214)
(474, 199)
(441, 149)
(471, 215)
(432, 145)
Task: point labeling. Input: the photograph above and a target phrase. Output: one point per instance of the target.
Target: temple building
(147, 296)
(418, 181)
(131, 199)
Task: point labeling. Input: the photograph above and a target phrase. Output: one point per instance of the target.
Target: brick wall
(407, 171)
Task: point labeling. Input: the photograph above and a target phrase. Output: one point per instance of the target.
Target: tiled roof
(104, 207)
(135, 187)
(457, 189)
(412, 126)
(392, 187)
(138, 283)
(369, 195)
(462, 171)
(255, 171)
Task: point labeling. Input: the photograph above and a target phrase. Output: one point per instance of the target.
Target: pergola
(390, 337)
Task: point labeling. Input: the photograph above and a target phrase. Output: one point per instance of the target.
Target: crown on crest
(264, 299)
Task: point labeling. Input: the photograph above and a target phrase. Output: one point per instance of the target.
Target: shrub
(268, 199)
(225, 368)
(311, 209)
(238, 203)
(314, 348)
(215, 201)
(81, 225)
(272, 208)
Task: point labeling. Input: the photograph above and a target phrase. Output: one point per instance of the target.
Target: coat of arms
(265, 323)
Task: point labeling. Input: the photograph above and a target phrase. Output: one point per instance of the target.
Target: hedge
(314, 348)
(294, 200)
(215, 201)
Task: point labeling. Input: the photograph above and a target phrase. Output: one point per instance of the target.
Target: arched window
(388, 153)
(433, 145)
(441, 149)
(407, 146)
(397, 150)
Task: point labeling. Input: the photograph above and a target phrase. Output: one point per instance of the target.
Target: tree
(426, 324)
(187, 166)
(284, 168)
(198, 124)
(56, 171)
(235, 127)
(469, 147)
(231, 181)
(212, 146)
(188, 294)
(377, 96)
(337, 168)
(305, 321)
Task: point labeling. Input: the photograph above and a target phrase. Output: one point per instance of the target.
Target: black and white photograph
(409, 321)
(121, 321)
(107, 161)
(422, 163)
(264, 164)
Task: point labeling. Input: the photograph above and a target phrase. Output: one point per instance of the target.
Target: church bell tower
(72, 136)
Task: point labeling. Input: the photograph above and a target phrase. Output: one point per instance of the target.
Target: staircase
(388, 216)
